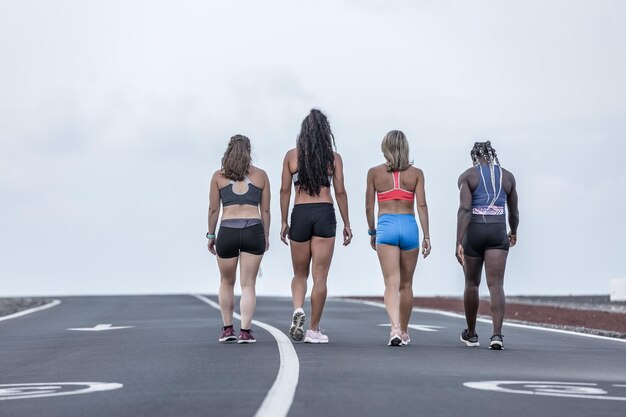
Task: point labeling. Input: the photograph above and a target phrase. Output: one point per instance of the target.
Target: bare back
(258, 177)
(383, 181)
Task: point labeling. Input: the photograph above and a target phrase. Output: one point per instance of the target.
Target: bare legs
(495, 263)
(248, 270)
(398, 267)
(314, 255)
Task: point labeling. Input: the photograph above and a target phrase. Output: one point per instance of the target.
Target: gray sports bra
(251, 197)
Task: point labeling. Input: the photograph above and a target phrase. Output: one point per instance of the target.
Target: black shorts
(484, 235)
(314, 219)
(232, 240)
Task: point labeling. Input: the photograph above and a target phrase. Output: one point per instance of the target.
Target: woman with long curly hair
(244, 192)
(312, 167)
(399, 188)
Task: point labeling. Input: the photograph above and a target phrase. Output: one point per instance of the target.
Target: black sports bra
(251, 197)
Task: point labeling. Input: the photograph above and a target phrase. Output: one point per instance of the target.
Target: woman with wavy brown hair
(312, 167)
(244, 193)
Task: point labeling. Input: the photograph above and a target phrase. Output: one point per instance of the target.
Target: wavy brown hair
(316, 156)
(236, 159)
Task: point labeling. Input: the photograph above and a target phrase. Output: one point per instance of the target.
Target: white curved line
(496, 386)
(482, 320)
(90, 387)
(51, 304)
(279, 398)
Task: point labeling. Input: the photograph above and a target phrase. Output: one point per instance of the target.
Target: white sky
(114, 114)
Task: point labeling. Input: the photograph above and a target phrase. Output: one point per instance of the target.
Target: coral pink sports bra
(396, 193)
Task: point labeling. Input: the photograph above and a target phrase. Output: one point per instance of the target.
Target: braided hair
(485, 150)
(316, 157)
(236, 159)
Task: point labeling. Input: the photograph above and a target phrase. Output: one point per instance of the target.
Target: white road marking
(53, 389)
(279, 398)
(483, 320)
(51, 304)
(419, 327)
(100, 328)
(548, 388)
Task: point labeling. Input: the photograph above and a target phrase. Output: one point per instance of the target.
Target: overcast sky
(114, 114)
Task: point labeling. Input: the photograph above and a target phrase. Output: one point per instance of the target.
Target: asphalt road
(159, 356)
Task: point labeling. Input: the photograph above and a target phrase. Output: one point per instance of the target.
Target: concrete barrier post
(618, 289)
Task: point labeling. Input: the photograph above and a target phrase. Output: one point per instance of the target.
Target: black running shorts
(314, 219)
(484, 235)
(230, 241)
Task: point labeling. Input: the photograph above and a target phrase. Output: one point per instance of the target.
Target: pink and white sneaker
(395, 338)
(406, 339)
(228, 335)
(315, 336)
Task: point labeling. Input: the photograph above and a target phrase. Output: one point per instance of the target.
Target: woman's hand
(426, 247)
(373, 241)
(211, 246)
(347, 235)
(460, 254)
(284, 233)
(512, 239)
(267, 244)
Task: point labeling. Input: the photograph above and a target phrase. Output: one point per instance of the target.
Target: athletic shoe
(496, 342)
(296, 331)
(245, 336)
(315, 336)
(395, 338)
(228, 334)
(406, 339)
(469, 340)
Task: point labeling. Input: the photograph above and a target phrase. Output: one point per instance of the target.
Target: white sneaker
(296, 331)
(315, 336)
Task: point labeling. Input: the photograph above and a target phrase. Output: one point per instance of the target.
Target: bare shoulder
(217, 175)
(508, 174)
(257, 175)
(338, 157)
(466, 175)
(377, 170)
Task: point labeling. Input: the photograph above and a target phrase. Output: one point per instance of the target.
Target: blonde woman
(244, 193)
(399, 187)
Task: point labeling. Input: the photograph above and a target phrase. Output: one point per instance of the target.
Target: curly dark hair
(316, 157)
(236, 159)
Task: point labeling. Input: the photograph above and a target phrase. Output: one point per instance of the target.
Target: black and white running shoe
(496, 342)
(469, 340)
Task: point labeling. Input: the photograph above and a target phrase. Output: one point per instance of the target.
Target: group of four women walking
(311, 168)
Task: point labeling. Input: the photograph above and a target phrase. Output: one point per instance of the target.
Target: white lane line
(279, 398)
(51, 304)
(419, 327)
(483, 320)
(100, 328)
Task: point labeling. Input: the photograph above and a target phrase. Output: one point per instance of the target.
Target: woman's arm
(285, 196)
(511, 202)
(265, 210)
(214, 211)
(422, 211)
(370, 203)
(342, 199)
(463, 215)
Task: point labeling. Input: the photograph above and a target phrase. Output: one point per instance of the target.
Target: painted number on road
(52, 389)
(614, 392)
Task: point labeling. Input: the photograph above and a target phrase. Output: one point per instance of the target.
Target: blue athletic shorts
(398, 230)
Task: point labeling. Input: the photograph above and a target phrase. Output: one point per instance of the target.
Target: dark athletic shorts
(483, 233)
(315, 219)
(232, 240)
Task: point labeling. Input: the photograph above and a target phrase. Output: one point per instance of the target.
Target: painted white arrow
(100, 328)
(420, 327)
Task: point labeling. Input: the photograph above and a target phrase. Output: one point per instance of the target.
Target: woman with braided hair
(312, 167)
(244, 192)
(482, 238)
